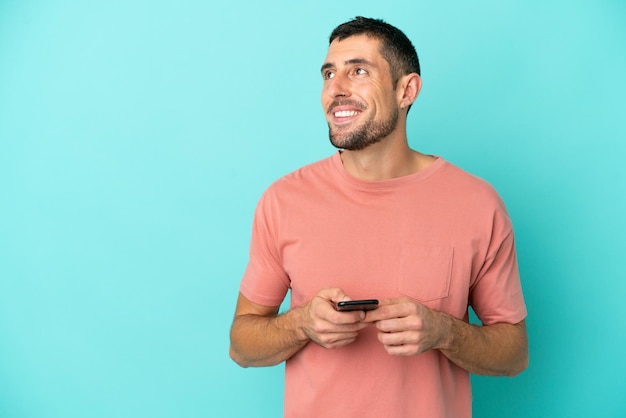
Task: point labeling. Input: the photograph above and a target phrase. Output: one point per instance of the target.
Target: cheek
(325, 99)
(325, 103)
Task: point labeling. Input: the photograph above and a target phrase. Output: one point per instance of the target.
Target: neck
(385, 160)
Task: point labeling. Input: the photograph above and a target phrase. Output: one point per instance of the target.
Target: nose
(338, 86)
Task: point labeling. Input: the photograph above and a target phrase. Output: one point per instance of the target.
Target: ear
(409, 88)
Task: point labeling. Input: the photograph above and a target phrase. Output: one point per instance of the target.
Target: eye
(360, 71)
(327, 75)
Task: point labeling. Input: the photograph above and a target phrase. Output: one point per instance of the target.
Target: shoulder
(299, 185)
(306, 176)
(469, 196)
(467, 185)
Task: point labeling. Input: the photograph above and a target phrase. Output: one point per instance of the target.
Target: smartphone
(357, 305)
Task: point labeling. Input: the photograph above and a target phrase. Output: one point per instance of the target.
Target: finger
(385, 311)
(339, 318)
(333, 294)
(326, 311)
(337, 344)
(399, 338)
(340, 325)
(337, 337)
(403, 350)
(390, 325)
(391, 301)
(347, 327)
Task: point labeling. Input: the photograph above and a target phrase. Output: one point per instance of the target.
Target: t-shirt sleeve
(496, 295)
(265, 281)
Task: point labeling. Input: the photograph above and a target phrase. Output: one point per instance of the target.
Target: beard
(363, 136)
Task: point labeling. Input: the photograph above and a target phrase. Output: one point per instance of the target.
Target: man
(379, 220)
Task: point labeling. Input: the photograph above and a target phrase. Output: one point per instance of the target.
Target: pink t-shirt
(440, 236)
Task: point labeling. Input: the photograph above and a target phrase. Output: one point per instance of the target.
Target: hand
(326, 326)
(407, 327)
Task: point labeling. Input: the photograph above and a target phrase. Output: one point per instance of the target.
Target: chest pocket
(425, 272)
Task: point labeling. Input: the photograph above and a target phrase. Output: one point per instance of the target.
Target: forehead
(358, 46)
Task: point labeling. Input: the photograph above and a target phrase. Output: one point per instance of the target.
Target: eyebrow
(349, 62)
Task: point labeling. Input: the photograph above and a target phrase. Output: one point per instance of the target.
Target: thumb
(333, 294)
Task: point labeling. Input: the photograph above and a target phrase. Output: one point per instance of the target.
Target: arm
(260, 336)
(409, 328)
(496, 350)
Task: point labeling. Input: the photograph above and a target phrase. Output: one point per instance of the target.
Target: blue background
(137, 136)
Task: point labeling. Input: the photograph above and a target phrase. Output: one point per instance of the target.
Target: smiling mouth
(345, 110)
(345, 113)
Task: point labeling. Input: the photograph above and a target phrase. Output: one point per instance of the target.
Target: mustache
(345, 102)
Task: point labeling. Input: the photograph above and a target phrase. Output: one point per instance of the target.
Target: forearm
(496, 350)
(266, 340)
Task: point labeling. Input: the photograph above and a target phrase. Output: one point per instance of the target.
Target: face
(358, 94)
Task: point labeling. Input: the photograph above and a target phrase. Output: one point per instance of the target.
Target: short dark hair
(396, 48)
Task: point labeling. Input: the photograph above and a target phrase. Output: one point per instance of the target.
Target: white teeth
(345, 113)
